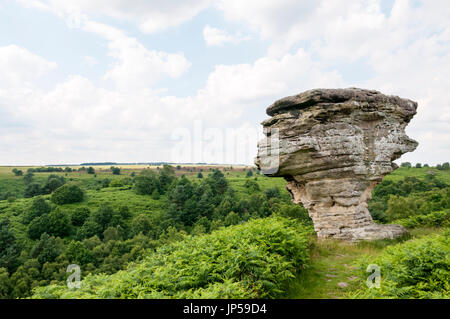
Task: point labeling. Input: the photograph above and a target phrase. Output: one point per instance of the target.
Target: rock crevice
(333, 146)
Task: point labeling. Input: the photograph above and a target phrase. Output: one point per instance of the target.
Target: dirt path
(332, 271)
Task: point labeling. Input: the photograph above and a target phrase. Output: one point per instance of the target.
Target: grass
(333, 262)
(419, 173)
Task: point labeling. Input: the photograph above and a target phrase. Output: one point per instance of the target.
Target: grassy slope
(332, 262)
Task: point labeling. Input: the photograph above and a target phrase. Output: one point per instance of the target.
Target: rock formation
(333, 146)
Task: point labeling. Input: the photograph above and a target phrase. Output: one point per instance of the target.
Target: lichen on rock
(333, 146)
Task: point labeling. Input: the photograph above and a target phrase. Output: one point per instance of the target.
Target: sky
(189, 81)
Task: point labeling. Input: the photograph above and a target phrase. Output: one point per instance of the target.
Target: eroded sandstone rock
(333, 146)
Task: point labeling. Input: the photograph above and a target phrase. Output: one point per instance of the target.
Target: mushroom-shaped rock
(333, 146)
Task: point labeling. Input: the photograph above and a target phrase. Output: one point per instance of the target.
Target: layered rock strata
(333, 146)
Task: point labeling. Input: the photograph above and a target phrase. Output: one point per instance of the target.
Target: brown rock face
(333, 146)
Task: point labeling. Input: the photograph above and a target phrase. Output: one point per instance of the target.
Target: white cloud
(218, 37)
(408, 51)
(135, 65)
(19, 67)
(268, 77)
(77, 120)
(150, 15)
(90, 61)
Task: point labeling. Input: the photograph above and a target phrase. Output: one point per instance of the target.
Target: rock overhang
(333, 147)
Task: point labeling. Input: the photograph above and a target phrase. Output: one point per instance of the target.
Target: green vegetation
(67, 194)
(122, 227)
(434, 219)
(419, 268)
(253, 260)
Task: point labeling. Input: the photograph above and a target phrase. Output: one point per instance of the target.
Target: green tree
(28, 178)
(103, 216)
(9, 248)
(111, 233)
(46, 249)
(146, 182)
(58, 223)
(155, 194)
(273, 192)
(37, 227)
(399, 207)
(418, 165)
(67, 194)
(252, 186)
(249, 173)
(166, 177)
(77, 253)
(17, 172)
(232, 219)
(79, 215)
(199, 175)
(142, 224)
(39, 206)
(51, 185)
(5, 285)
(33, 189)
(115, 170)
(90, 170)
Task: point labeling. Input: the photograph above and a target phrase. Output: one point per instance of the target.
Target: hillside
(146, 220)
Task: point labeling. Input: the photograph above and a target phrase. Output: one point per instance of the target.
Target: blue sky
(130, 81)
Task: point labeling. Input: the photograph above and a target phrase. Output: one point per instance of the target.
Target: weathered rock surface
(333, 146)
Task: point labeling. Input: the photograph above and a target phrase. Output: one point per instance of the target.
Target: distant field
(234, 173)
(420, 173)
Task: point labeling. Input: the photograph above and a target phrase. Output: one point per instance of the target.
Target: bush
(67, 194)
(273, 192)
(295, 212)
(116, 183)
(146, 182)
(251, 186)
(17, 172)
(418, 268)
(79, 216)
(434, 219)
(257, 259)
(33, 189)
(38, 207)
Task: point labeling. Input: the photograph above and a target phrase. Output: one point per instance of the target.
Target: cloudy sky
(189, 80)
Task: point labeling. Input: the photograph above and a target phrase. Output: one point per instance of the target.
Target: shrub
(33, 189)
(273, 192)
(116, 183)
(79, 216)
(39, 206)
(146, 182)
(257, 259)
(17, 172)
(295, 212)
(418, 268)
(434, 219)
(251, 186)
(67, 194)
